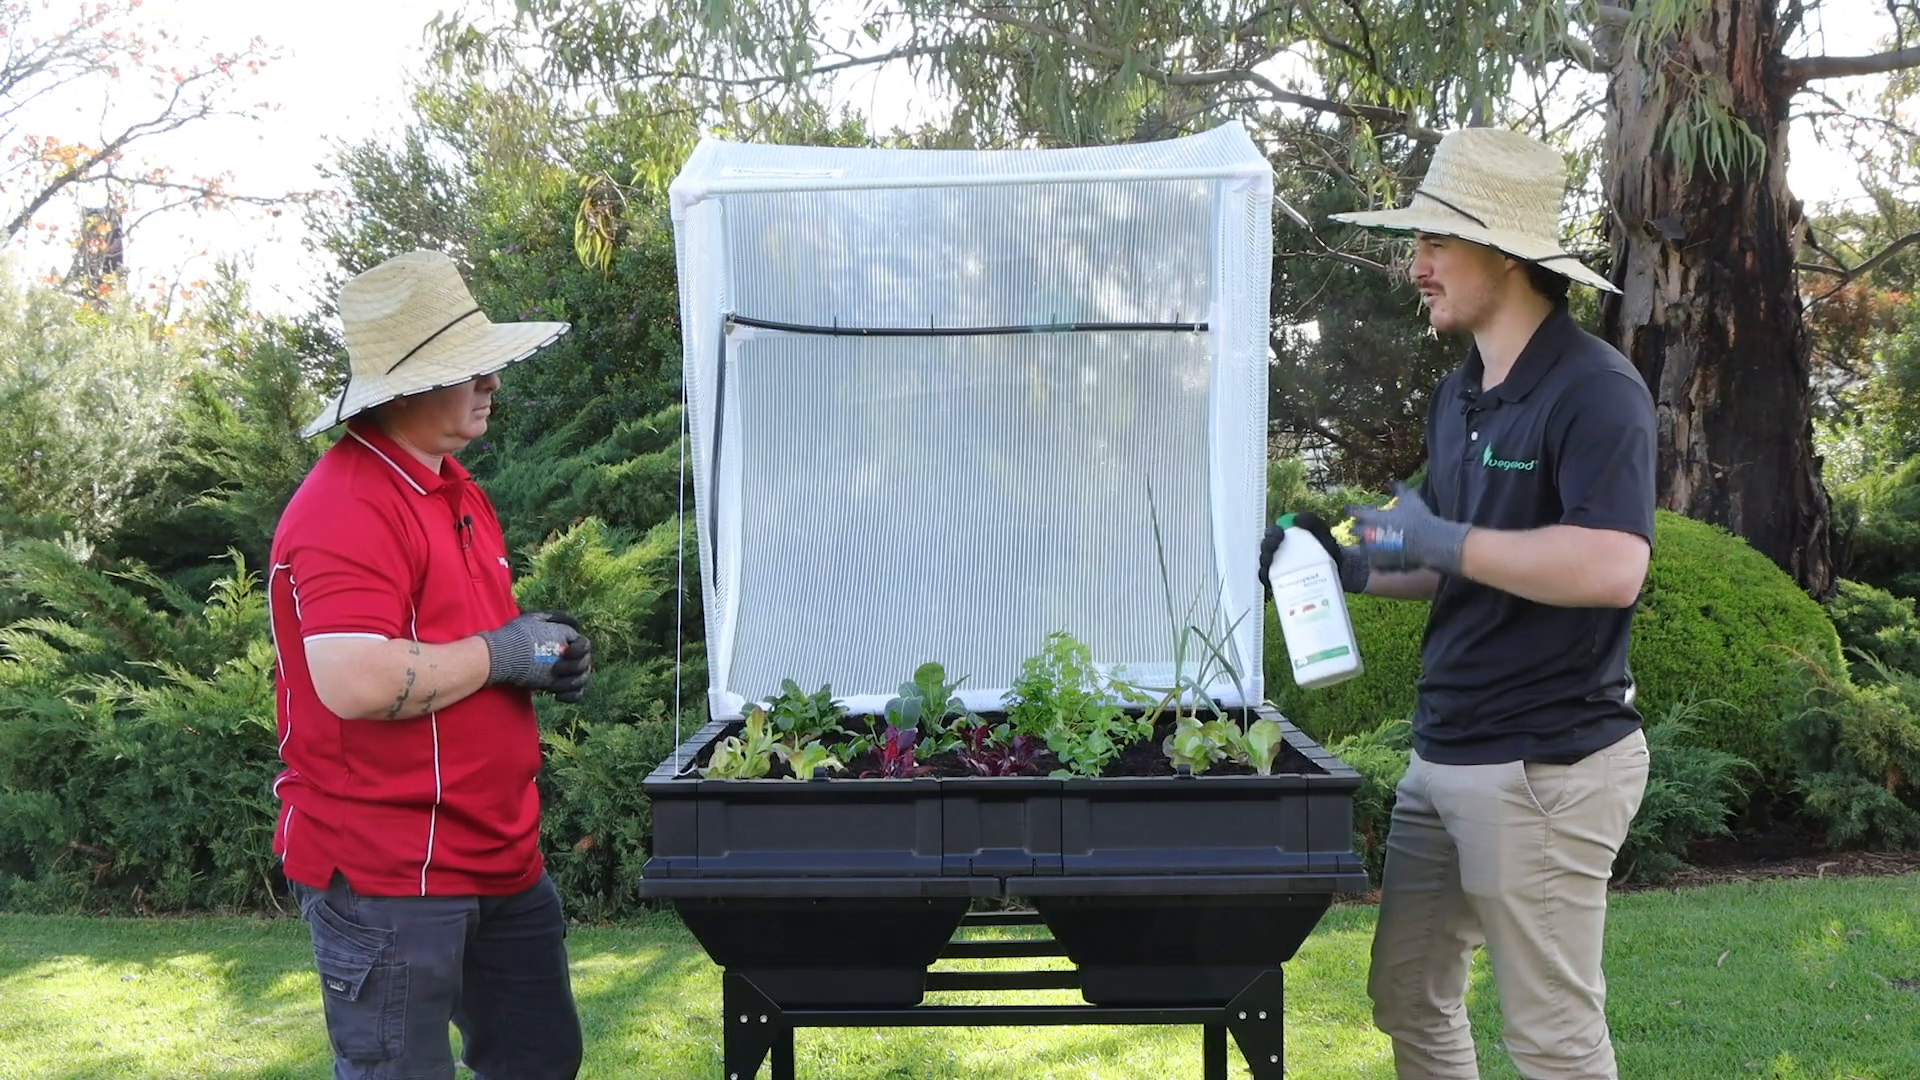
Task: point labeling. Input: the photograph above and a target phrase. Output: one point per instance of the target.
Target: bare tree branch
(906, 52)
(1390, 118)
(166, 120)
(1806, 69)
(1328, 251)
(1848, 274)
(1813, 241)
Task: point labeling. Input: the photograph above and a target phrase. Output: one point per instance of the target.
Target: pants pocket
(1544, 785)
(364, 990)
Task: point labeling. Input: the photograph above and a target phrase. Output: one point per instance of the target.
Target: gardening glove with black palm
(575, 665)
(541, 650)
(1353, 566)
(1405, 535)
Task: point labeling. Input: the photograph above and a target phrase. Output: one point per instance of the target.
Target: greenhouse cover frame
(929, 393)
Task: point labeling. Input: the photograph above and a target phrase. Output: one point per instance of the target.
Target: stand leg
(1214, 1052)
(754, 1026)
(1256, 1019)
(783, 1053)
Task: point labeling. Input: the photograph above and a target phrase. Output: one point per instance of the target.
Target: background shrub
(595, 819)
(1877, 623)
(1389, 634)
(149, 787)
(1692, 792)
(1380, 756)
(1856, 750)
(1715, 611)
(1885, 538)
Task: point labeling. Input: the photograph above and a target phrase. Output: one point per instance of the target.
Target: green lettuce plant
(746, 756)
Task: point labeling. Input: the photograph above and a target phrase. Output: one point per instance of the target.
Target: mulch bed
(1834, 864)
(1783, 849)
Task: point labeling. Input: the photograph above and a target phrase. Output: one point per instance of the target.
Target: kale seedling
(896, 755)
(996, 751)
(926, 704)
(799, 717)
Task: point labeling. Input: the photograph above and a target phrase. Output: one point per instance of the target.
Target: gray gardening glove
(1407, 536)
(541, 650)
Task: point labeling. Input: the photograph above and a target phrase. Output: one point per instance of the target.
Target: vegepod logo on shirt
(1487, 459)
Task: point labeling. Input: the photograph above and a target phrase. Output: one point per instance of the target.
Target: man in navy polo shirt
(1530, 535)
(410, 824)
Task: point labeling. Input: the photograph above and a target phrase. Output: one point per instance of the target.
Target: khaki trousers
(1515, 857)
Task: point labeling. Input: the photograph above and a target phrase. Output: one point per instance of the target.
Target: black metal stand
(758, 1029)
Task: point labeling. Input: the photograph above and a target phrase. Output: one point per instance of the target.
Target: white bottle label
(1308, 600)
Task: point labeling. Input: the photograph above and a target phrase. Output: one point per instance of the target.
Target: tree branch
(1327, 251)
(1391, 118)
(1790, 20)
(1808, 68)
(1337, 44)
(1848, 274)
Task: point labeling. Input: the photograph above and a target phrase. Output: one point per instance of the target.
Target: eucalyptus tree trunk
(1710, 313)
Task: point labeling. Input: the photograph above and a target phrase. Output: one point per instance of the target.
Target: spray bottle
(1313, 610)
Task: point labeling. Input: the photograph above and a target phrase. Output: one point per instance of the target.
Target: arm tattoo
(426, 707)
(405, 693)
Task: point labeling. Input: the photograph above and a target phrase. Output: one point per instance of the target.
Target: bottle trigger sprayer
(1313, 610)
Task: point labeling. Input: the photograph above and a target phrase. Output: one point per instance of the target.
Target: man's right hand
(1354, 570)
(540, 650)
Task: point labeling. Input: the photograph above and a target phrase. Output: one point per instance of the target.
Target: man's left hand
(1405, 535)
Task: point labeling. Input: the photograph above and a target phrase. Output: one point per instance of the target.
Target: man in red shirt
(409, 828)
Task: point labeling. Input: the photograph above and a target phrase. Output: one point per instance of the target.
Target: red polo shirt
(375, 545)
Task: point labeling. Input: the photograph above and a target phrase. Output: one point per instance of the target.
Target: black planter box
(1165, 890)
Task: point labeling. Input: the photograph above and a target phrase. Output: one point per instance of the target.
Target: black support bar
(759, 1031)
(1003, 980)
(1006, 947)
(1001, 1016)
(1002, 918)
(836, 330)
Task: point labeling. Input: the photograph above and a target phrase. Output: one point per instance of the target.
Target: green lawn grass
(1786, 979)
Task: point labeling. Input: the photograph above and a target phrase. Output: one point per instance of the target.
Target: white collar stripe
(404, 475)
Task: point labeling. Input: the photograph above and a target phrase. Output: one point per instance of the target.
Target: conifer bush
(137, 744)
(1874, 623)
(1856, 751)
(596, 819)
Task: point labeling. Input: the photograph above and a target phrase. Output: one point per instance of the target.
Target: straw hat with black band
(1493, 187)
(413, 326)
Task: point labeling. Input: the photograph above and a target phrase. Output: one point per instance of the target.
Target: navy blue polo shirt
(1567, 438)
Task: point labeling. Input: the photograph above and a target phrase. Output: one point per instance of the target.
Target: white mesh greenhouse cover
(956, 486)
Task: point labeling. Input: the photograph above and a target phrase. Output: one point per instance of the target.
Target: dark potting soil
(1144, 758)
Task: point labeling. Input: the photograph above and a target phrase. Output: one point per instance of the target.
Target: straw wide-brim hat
(412, 326)
(1494, 187)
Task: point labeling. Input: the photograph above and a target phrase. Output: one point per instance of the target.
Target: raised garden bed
(941, 404)
(826, 900)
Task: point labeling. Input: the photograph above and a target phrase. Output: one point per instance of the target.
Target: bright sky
(342, 77)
